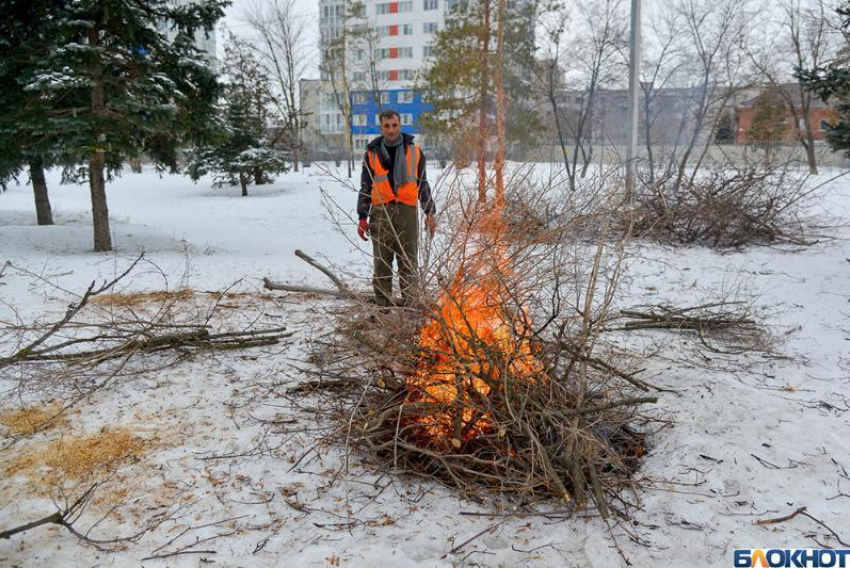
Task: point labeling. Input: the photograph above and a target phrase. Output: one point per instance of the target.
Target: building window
(385, 97)
(395, 75)
(824, 125)
(408, 29)
(359, 98)
(393, 7)
(359, 120)
(405, 97)
(427, 50)
(406, 119)
(377, 120)
(430, 4)
(359, 76)
(429, 27)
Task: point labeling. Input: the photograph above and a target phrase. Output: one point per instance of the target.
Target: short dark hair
(389, 113)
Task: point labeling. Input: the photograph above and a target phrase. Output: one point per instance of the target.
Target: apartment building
(381, 70)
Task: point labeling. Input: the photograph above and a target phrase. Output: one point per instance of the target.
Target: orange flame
(466, 349)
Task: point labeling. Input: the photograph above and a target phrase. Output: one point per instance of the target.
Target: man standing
(392, 182)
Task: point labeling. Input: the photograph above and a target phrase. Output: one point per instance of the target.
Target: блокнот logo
(792, 558)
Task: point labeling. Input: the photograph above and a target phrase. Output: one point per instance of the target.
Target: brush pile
(498, 384)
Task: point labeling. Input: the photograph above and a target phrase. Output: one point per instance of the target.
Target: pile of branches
(543, 412)
(95, 342)
(571, 432)
(726, 207)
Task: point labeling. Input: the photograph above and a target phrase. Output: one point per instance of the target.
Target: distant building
(382, 71)
(671, 118)
(365, 112)
(386, 68)
(820, 115)
(315, 143)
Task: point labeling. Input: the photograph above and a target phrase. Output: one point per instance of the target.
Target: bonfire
(472, 346)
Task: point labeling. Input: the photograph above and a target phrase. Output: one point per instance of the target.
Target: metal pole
(634, 99)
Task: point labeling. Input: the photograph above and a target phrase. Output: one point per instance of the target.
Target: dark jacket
(364, 198)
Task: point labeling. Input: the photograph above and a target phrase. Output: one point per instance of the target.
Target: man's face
(390, 128)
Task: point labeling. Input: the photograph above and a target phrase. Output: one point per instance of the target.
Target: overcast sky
(307, 9)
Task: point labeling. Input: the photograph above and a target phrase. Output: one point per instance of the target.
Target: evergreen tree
(243, 150)
(23, 36)
(113, 85)
(725, 131)
(832, 84)
(459, 82)
(770, 118)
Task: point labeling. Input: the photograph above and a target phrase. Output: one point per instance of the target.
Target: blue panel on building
(363, 103)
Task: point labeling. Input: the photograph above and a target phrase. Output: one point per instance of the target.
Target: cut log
(269, 284)
(342, 290)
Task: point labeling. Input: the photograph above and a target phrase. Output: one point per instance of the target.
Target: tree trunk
(561, 140)
(501, 109)
(243, 182)
(484, 62)
(809, 144)
(99, 210)
(259, 176)
(97, 161)
(43, 212)
(650, 158)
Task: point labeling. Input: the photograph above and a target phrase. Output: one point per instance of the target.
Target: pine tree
(115, 86)
(832, 84)
(243, 150)
(23, 35)
(460, 82)
(770, 118)
(725, 131)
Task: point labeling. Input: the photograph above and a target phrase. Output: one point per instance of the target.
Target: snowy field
(753, 437)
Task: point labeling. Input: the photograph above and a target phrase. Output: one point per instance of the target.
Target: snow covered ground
(753, 437)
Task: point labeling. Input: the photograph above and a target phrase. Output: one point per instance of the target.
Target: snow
(705, 483)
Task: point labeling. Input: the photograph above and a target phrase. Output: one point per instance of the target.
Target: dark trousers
(395, 236)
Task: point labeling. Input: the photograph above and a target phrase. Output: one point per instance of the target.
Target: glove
(363, 229)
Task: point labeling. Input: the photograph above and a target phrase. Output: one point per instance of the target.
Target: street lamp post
(634, 99)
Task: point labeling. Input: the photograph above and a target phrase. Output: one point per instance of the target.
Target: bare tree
(367, 56)
(548, 75)
(715, 34)
(803, 38)
(663, 62)
(594, 59)
(338, 43)
(282, 45)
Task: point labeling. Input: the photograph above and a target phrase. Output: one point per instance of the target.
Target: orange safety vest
(382, 192)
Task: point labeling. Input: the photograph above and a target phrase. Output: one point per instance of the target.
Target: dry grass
(136, 299)
(80, 458)
(129, 300)
(29, 420)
